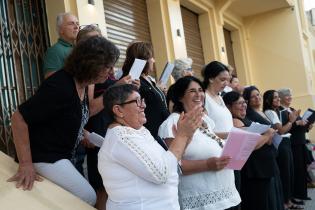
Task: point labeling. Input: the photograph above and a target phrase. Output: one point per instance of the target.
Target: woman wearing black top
(48, 127)
(268, 165)
(282, 121)
(299, 151)
(156, 110)
(257, 174)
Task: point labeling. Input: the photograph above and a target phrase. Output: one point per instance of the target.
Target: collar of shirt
(65, 43)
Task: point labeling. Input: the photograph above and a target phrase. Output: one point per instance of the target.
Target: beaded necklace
(205, 130)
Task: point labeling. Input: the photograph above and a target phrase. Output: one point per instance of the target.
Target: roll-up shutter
(229, 49)
(193, 39)
(126, 21)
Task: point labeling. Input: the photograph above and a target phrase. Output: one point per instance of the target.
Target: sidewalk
(310, 205)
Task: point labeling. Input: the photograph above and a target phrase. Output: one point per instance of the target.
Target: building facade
(268, 42)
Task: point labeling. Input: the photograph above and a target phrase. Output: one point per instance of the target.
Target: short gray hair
(181, 64)
(283, 92)
(59, 20)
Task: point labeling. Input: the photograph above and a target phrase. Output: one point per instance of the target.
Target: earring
(122, 116)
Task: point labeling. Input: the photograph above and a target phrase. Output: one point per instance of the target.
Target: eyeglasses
(239, 103)
(92, 26)
(138, 101)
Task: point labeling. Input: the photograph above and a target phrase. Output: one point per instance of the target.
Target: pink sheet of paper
(239, 145)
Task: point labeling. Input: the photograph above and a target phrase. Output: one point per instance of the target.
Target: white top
(138, 174)
(273, 117)
(219, 113)
(205, 190)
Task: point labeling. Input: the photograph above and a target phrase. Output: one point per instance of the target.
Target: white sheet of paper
(239, 145)
(137, 68)
(276, 140)
(166, 73)
(257, 128)
(306, 115)
(96, 139)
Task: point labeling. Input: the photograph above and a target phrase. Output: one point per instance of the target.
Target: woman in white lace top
(204, 184)
(137, 172)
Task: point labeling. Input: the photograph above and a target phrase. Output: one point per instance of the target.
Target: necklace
(216, 98)
(205, 130)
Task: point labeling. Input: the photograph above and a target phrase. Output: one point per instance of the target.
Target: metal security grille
(126, 21)
(23, 41)
(193, 39)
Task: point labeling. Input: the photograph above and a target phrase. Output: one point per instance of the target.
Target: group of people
(161, 146)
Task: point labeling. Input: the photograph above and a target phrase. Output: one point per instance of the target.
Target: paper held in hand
(239, 145)
(309, 115)
(168, 69)
(95, 139)
(137, 68)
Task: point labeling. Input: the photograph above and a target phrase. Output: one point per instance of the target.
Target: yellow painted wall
(53, 8)
(90, 14)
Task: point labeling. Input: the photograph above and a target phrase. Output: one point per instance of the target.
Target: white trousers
(64, 174)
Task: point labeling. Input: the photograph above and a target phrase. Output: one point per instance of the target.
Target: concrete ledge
(44, 195)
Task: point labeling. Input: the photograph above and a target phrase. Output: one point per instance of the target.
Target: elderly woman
(48, 127)
(258, 189)
(182, 68)
(298, 141)
(283, 120)
(156, 111)
(204, 184)
(137, 172)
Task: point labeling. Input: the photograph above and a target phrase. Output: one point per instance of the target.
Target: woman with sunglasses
(137, 172)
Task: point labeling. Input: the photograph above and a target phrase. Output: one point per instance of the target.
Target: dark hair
(82, 34)
(212, 70)
(90, 57)
(247, 93)
(140, 50)
(116, 94)
(179, 89)
(267, 99)
(231, 97)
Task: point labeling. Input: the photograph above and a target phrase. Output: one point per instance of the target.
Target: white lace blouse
(219, 113)
(206, 190)
(138, 174)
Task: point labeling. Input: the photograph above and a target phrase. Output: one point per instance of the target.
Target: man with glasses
(67, 26)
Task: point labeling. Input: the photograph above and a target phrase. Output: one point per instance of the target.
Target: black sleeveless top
(262, 162)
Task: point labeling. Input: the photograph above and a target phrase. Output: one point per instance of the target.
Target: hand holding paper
(240, 144)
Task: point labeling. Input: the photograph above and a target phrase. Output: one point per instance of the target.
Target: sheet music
(257, 128)
(137, 68)
(169, 67)
(95, 139)
(239, 145)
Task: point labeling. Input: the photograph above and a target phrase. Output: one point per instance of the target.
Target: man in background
(67, 26)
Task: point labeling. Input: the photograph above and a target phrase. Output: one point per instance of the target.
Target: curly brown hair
(89, 58)
(140, 50)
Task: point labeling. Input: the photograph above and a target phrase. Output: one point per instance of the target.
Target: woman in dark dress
(282, 121)
(299, 151)
(156, 110)
(258, 188)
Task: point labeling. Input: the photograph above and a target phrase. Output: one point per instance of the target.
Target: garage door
(193, 39)
(126, 21)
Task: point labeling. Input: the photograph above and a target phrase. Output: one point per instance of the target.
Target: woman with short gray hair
(299, 152)
(182, 68)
